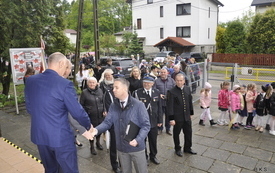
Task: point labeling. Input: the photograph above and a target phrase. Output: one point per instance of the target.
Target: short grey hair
(123, 81)
(180, 74)
(91, 78)
(56, 57)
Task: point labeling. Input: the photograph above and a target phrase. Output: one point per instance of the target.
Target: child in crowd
(235, 103)
(205, 101)
(243, 111)
(223, 102)
(260, 105)
(250, 99)
(272, 110)
(269, 116)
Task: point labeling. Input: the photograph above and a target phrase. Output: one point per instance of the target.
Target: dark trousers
(186, 128)
(152, 139)
(113, 151)
(55, 159)
(167, 121)
(249, 119)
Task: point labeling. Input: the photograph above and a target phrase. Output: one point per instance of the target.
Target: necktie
(122, 105)
(148, 93)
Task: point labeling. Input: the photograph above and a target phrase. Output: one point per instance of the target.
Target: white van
(162, 55)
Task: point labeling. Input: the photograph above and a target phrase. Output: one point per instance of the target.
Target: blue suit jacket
(49, 97)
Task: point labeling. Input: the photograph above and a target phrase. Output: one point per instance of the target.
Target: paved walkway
(219, 150)
(13, 160)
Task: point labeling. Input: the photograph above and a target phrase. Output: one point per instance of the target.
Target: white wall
(72, 37)
(198, 20)
(262, 9)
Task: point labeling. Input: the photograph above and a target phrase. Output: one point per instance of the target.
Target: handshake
(90, 134)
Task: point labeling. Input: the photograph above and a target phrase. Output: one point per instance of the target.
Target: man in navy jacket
(49, 99)
(124, 109)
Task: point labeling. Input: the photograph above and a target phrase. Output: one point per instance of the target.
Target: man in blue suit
(49, 99)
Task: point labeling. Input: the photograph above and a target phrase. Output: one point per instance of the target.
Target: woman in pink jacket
(205, 101)
(223, 102)
(235, 103)
(250, 99)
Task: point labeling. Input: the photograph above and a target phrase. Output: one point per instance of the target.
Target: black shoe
(179, 153)
(93, 151)
(99, 146)
(79, 145)
(117, 170)
(212, 123)
(190, 151)
(155, 161)
(201, 123)
(169, 132)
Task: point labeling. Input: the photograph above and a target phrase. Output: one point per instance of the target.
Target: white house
(71, 34)
(263, 5)
(119, 35)
(177, 25)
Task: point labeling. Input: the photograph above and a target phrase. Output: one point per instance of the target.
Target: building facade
(263, 5)
(194, 21)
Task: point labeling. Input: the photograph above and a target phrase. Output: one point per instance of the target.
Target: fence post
(205, 76)
(235, 73)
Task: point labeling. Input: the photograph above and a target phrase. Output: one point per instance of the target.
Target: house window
(183, 9)
(161, 11)
(161, 33)
(209, 12)
(184, 31)
(138, 23)
(149, 1)
(208, 33)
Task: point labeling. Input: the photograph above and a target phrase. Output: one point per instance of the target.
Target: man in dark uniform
(179, 110)
(151, 99)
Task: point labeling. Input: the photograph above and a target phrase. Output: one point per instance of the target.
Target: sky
(233, 9)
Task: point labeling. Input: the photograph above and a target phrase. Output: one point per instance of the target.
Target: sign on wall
(22, 58)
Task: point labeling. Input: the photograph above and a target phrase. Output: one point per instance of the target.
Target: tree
(261, 37)
(44, 17)
(220, 39)
(107, 42)
(234, 37)
(135, 47)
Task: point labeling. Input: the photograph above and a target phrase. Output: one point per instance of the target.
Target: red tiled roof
(177, 40)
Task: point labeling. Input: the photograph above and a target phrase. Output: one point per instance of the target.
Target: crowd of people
(131, 110)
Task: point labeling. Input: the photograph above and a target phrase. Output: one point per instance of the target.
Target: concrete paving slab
(219, 167)
(210, 142)
(265, 167)
(242, 161)
(233, 147)
(199, 162)
(258, 153)
(217, 154)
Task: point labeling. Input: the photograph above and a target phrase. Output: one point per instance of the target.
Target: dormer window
(183, 9)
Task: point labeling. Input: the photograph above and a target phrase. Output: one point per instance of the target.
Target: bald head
(58, 62)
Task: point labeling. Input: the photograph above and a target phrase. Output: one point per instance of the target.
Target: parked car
(162, 55)
(198, 56)
(123, 65)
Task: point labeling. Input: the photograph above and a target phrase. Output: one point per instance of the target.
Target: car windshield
(126, 63)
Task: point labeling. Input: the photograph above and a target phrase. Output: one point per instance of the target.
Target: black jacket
(92, 102)
(134, 84)
(152, 104)
(272, 104)
(108, 95)
(176, 109)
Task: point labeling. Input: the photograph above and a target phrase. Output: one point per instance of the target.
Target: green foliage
(234, 37)
(107, 42)
(261, 37)
(220, 39)
(135, 47)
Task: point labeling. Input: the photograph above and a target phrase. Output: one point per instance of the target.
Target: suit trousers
(152, 139)
(167, 121)
(186, 128)
(55, 159)
(113, 151)
(138, 158)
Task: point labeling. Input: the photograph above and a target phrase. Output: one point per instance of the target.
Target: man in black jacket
(179, 110)
(151, 99)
